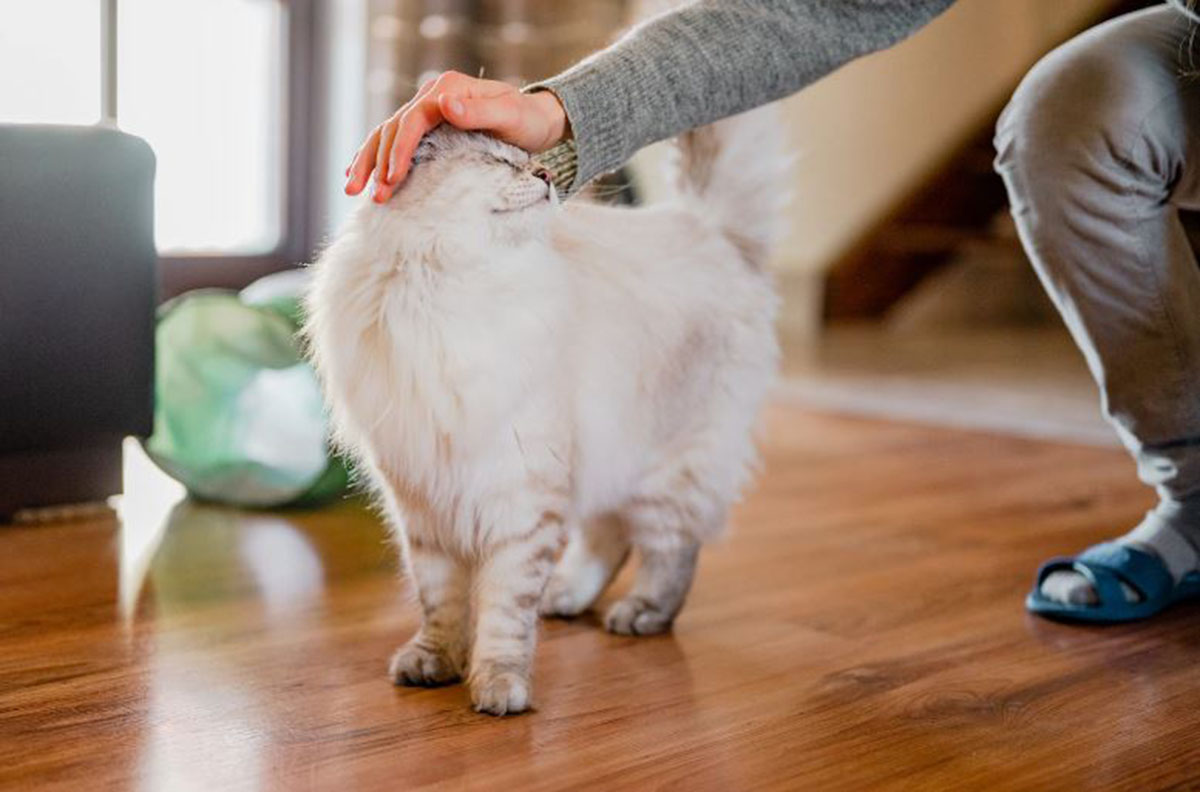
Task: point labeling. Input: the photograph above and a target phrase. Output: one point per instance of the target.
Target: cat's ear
(424, 151)
(437, 142)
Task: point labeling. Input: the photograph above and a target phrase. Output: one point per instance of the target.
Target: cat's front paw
(636, 616)
(420, 666)
(500, 691)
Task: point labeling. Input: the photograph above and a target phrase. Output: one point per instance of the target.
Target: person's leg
(1099, 149)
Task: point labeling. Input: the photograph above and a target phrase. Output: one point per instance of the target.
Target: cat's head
(478, 186)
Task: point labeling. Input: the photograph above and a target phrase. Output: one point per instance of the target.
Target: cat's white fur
(510, 373)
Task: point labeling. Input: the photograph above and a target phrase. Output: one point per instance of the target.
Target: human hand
(532, 121)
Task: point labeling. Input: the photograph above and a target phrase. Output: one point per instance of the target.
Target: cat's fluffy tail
(735, 172)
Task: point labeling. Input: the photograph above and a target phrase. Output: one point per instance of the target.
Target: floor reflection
(205, 728)
(196, 581)
(193, 552)
(285, 567)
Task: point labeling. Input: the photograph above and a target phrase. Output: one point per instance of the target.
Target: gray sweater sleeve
(715, 58)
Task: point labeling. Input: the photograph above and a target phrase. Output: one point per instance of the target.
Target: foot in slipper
(1136, 576)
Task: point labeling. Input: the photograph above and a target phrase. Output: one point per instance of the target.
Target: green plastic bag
(238, 414)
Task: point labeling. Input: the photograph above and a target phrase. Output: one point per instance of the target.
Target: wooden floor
(862, 628)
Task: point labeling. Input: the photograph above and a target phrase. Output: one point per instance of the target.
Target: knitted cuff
(594, 116)
(563, 163)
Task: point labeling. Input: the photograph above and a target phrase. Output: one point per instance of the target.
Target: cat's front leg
(437, 654)
(509, 584)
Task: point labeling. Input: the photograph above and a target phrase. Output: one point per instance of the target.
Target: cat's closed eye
(492, 158)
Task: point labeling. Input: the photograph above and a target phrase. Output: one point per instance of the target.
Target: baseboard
(86, 473)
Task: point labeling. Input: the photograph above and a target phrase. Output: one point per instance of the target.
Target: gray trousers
(1100, 149)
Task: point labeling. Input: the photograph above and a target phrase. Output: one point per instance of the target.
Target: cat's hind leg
(595, 552)
(668, 549)
(437, 654)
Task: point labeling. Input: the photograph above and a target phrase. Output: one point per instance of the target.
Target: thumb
(498, 114)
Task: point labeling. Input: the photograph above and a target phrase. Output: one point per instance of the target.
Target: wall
(870, 133)
(867, 135)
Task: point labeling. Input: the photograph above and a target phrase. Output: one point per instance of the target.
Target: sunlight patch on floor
(144, 510)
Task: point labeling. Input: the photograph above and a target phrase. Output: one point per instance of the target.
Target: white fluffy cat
(519, 377)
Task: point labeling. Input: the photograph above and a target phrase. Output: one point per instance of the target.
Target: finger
(427, 87)
(384, 150)
(368, 154)
(497, 114)
(364, 161)
(414, 124)
(422, 115)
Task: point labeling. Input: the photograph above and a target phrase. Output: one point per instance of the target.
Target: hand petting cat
(532, 121)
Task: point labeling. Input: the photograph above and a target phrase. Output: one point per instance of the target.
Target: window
(59, 41)
(202, 83)
(220, 89)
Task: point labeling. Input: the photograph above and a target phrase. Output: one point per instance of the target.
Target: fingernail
(456, 107)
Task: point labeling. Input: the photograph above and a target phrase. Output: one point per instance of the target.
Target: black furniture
(77, 298)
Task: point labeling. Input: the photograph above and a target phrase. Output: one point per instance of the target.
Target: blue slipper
(1107, 566)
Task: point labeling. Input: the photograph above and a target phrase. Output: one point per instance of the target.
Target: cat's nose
(543, 174)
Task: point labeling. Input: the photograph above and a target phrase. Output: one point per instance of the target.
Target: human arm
(716, 58)
(682, 69)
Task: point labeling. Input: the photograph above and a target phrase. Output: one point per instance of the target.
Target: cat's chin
(513, 210)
